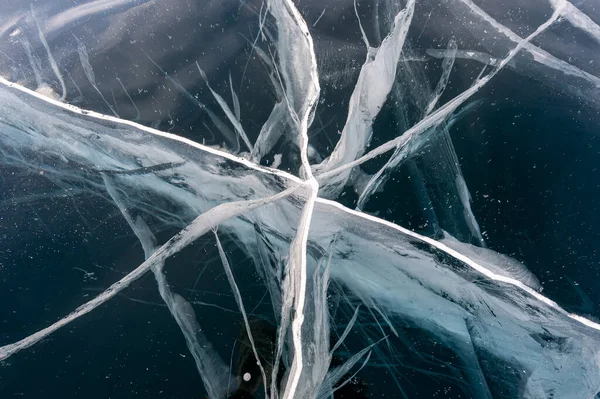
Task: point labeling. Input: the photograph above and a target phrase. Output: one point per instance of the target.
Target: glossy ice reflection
(300, 200)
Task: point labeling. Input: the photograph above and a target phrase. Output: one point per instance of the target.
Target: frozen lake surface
(300, 199)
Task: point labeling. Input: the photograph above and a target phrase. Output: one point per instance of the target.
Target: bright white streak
(346, 330)
(238, 298)
(235, 100)
(211, 368)
(539, 55)
(375, 81)
(53, 64)
(447, 65)
(32, 61)
(214, 118)
(302, 90)
(472, 264)
(355, 373)
(297, 270)
(234, 121)
(578, 18)
(296, 50)
(441, 112)
(96, 115)
(362, 30)
(320, 16)
(147, 129)
(84, 58)
(478, 56)
(270, 132)
(194, 230)
(137, 110)
(337, 373)
(399, 155)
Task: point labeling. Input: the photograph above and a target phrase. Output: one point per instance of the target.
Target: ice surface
(328, 291)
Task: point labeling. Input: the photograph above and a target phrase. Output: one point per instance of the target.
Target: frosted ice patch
(502, 265)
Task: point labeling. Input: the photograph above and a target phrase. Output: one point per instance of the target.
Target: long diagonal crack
(301, 109)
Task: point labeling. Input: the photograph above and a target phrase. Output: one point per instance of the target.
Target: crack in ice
(308, 376)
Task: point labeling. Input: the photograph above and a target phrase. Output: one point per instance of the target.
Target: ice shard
(356, 198)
